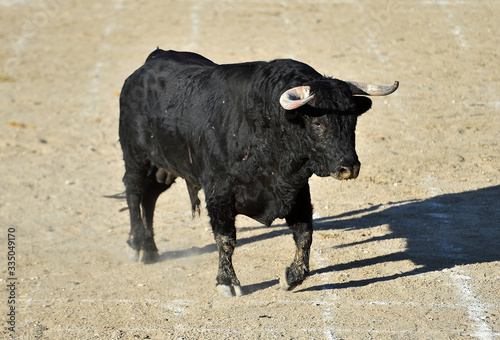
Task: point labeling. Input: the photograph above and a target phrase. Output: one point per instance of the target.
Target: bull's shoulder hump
(180, 58)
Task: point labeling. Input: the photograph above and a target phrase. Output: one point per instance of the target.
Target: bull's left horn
(371, 89)
(295, 97)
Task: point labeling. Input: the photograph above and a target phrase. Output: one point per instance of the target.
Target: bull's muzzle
(346, 172)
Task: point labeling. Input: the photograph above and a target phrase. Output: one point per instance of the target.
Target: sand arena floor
(409, 250)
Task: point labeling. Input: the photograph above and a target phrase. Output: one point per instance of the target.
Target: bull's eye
(317, 123)
(318, 126)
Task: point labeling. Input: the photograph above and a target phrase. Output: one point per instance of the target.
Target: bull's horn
(371, 89)
(295, 97)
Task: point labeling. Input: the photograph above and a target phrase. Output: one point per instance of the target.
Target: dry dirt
(410, 250)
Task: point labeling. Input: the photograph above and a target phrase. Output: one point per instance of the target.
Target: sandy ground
(410, 250)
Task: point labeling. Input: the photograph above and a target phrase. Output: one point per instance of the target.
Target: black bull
(249, 134)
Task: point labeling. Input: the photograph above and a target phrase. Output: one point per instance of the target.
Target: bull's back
(180, 58)
(160, 116)
(189, 114)
(160, 86)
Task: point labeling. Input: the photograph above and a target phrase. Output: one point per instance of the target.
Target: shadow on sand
(441, 232)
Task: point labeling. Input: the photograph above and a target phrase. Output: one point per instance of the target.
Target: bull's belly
(261, 204)
(178, 166)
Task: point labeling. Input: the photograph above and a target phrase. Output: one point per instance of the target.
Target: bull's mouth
(345, 173)
(339, 177)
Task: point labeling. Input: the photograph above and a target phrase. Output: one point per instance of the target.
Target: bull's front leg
(222, 219)
(300, 222)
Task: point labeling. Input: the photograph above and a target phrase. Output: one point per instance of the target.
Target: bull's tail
(120, 196)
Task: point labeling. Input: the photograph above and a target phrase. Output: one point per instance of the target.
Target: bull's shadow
(441, 232)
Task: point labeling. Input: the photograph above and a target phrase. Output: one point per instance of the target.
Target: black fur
(221, 128)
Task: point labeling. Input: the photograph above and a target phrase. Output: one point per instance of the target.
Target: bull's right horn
(366, 89)
(295, 97)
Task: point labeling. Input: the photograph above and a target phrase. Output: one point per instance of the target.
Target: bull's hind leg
(222, 218)
(300, 222)
(157, 182)
(134, 180)
(143, 189)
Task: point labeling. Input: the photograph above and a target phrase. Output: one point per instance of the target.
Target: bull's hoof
(133, 254)
(150, 256)
(283, 283)
(143, 256)
(133, 251)
(288, 281)
(229, 291)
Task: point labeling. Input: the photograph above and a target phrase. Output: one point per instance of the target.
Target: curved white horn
(371, 89)
(295, 97)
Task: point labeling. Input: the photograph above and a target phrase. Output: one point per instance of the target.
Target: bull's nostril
(345, 172)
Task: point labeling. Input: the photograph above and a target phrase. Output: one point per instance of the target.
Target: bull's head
(330, 121)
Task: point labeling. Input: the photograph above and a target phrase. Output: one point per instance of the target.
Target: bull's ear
(362, 103)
